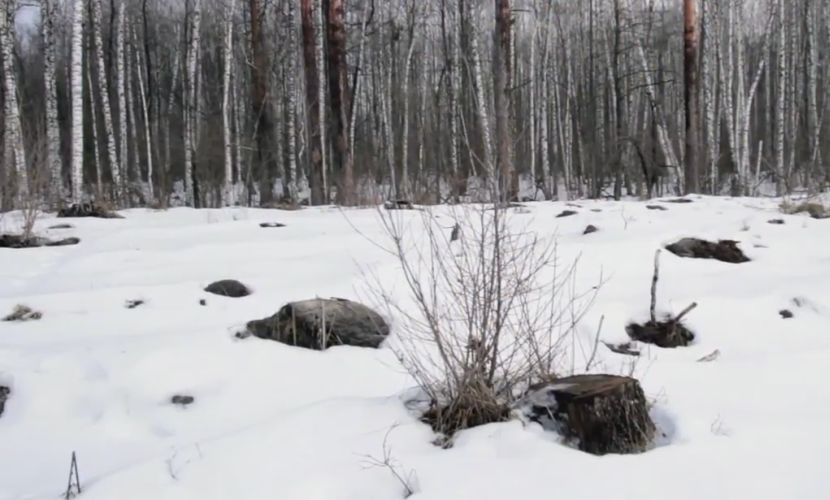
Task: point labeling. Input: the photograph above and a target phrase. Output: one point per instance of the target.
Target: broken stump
(590, 228)
(4, 395)
(322, 323)
(670, 333)
(566, 213)
(601, 413)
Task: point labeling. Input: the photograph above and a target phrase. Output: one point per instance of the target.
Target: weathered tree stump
(600, 413)
(271, 224)
(4, 395)
(723, 250)
(656, 207)
(321, 323)
(566, 213)
(228, 288)
(670, 333)
(590, 228)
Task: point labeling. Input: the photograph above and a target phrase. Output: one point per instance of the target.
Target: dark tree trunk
(340, 100)
(508, 181)
(312, 93)
(691, 88)
(261, 106)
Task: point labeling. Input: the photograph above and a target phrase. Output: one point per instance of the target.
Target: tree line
(258, 102)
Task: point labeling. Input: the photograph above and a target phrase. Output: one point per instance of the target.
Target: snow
(272, 421)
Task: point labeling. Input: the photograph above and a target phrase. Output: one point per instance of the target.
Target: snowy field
(281, 423)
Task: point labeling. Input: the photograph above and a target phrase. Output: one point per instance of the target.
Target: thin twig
(654, 279)
(685, 312)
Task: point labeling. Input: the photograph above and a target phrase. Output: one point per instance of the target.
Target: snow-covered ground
(277, 422)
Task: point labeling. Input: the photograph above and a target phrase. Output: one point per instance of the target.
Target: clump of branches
(406, 477)
(490, 311)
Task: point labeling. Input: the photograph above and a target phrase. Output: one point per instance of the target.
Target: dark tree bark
(340, 100)
(508, 183)
(691, 89)
(261, 106)
(312, 92)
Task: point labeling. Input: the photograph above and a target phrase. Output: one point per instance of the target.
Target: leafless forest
(212, 103)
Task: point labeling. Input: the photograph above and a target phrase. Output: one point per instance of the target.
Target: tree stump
(600, 413)
(4, 395)
(321, 323)
(670, 333)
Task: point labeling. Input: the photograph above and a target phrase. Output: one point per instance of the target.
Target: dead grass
(816, 209)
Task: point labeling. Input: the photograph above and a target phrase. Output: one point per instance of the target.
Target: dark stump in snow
(4, 395)
(18, 241)
(88, 210)
(271, 224)
(670, 333)
(182, 399)
(723, 250)
(321, 323)
(228, 288)
(590, 228)
(656, 207)
(786, 313)
(776, 221)
(23, 313)
(679, 200)
(132, 304)
(61, 226)
(626, 348)
(399, 205)
(566, 213)
(601, 413)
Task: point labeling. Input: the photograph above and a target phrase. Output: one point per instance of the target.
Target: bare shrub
(23, 313)
(487, 314)
(814, 207)
(406, 477)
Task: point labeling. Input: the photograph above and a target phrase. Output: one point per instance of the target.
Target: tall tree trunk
(312, 96)
(228, 194)
(781, 81)
(145, 113)
(77, 90)
(261, 104)
(14, 132)
(340, 100)
(508, 184)
(53, 138)
(291, 111)
(121, 82)
(103, 92)
(691, 90)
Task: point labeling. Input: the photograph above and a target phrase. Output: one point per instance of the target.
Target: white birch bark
(405, 190)
(77, 89)
(145, 113)
(103, 92)
(96, 157)
(291, 111)
(14, 132)
(120, 82)
(228, 196)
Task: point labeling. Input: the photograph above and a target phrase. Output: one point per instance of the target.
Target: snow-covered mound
(270, 421)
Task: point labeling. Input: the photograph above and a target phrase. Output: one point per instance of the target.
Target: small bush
(816, 209)
(23, 313)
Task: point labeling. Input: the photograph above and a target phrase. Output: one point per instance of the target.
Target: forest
(210, 103)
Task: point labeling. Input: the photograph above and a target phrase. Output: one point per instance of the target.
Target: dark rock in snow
(182, 399)
(132, 304)
(776, 221)
(670, 333)
(271, 224)
(4, 395)
(786, 313)
(202, 302)
(88, 210)
(566, 213)
(17, 241)
(61, 226)
(723, 250)
(228, 288)
(302, 324)
(656, 207)
(679, 200)
(600, 413)
(590, 228)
